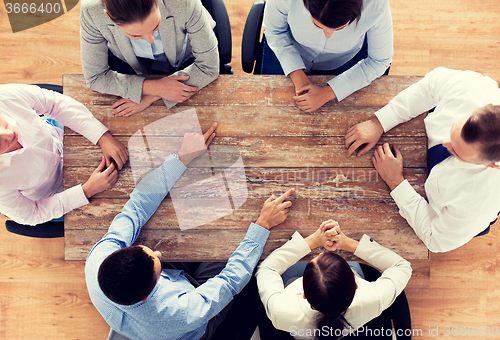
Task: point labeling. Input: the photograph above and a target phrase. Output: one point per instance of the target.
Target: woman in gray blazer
(124, 39)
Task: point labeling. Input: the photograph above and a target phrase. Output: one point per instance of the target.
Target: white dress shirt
(289, 311)
(299, 44)
(463, 197)
(31, 178)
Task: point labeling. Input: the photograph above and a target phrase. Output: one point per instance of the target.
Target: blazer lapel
(167, 34)
(126, 49)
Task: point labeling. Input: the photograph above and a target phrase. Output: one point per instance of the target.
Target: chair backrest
(251, 45)
(222, 31)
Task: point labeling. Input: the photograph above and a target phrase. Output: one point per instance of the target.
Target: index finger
(209, 132)
(285, 195)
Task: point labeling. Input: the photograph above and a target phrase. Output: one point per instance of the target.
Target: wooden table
(281, 147)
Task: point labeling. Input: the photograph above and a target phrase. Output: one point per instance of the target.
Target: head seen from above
(475, 138)
(128, 275)
(333, 15)
(8, 136)
(329, 287)
(138, 19)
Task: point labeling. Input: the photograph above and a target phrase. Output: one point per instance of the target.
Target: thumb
(181, 78)
(101, 166)
(398, 153)
(304, 88)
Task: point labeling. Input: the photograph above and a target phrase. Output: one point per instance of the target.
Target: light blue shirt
(299, 44)
(144, 49)
(174, 309)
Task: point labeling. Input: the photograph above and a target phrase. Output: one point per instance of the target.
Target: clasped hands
(328, 236)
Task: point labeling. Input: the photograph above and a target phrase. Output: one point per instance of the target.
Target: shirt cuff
(300, 244)
(402, 194)
(97, 133)
(174, 166)
(361, 250)
(387, 118)
(340, 87)
(73, 198)
(257, 233)
(291, 62)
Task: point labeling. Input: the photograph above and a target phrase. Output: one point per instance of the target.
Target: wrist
(103, 138)
(86, 190)
(263, 223)
(312, 241)
(150, 87)
(328, 93)
(351, 245)
(394, 183)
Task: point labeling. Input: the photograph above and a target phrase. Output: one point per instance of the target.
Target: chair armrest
(251, 36)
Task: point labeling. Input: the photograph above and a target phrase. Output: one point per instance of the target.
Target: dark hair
(329, 287)
(334, 13)
(129, 11)
(127, 276)
(483, 127)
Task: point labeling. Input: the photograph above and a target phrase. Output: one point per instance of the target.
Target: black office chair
(251, 45)
(49, 229)
(222, 30)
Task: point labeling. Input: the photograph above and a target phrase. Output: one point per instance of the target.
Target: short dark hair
(334, 13)
(129, 11)
(127, 276)
(483, 127)
(329, 287)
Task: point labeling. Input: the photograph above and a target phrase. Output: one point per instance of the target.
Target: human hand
(172, 88)
(367, 132)
(339, 240)
(323, 237)
(194, 144)
(100, 179)
(389, 166)
(124, 107)
(112, 149)
(311, 97)
(274, 210)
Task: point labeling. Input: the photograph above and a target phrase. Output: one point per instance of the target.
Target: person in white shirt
(352, 39)
(330, 293)
(462, 190)
(31, 154)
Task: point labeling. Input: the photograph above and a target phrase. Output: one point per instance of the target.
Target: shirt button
(371, 240)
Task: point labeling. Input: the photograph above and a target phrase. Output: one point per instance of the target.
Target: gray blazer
(186, 28)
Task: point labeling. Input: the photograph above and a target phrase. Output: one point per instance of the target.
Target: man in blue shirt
(135, 296)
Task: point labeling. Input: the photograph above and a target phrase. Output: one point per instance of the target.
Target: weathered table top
(280, 147)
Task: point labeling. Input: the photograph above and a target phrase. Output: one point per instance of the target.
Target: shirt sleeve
(94, 56)
(441, 231)
(380, 52)
(143, 202)
(416, 99)
(205, 67)
(396, 270)
(61, 108)
(207, 300)
(26, 211)
(268, 275)
(279, 37)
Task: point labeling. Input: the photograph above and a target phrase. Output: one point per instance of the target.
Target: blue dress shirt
(299, 44)
(174, 309)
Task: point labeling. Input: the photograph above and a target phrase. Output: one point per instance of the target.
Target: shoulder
(376, 6)
(94, 8)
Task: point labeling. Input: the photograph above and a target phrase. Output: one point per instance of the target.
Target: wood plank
(263, 182)
(352, 214)
(255, 151)
(179, 246)
(254, 90)
(254, 121)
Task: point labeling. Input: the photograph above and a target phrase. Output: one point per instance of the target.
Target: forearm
(26, 211)
(299, 79)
